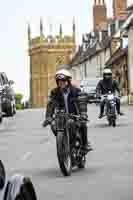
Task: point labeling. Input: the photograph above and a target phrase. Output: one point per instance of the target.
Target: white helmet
(107, 74)
(63, 74)
(107, 71)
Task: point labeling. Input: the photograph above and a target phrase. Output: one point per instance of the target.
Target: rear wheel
(1, 118)
(10, 110)
(63, 153)
(14, 109)
(110, 122)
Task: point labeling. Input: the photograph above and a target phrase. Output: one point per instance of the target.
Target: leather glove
(47, 122)
(84, 117)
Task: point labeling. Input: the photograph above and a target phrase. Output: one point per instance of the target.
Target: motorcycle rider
(104, 86)
(62, 95)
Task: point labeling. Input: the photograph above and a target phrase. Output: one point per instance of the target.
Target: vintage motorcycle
(110, 108)
(69, 143)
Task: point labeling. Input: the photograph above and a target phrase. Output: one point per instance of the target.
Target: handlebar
(77, 117)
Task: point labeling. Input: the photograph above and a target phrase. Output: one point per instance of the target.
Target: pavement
(29, 149)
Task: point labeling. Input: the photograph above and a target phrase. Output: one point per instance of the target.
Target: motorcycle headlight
(3, 99)
(77, 144)
(112, 102)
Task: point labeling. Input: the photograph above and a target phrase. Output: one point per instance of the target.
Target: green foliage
(18, 106)
(18, 98)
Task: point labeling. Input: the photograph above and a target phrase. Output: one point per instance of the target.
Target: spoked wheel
(63, 153)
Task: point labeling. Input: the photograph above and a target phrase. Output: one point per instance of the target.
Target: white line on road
(26, 156)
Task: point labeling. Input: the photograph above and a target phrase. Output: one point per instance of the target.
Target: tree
(18, 98)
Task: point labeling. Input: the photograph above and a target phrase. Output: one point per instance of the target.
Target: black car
(89, 87)
(7, 95)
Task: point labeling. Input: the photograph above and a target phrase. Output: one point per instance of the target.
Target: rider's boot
(118, 109)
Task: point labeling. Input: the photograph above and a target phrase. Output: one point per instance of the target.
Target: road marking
(26, 156)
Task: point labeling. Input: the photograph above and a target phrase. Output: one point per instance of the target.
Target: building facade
(46, 53)
(118, 63)
(90, 64)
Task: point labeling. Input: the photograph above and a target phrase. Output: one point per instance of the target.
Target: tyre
(110, 122)
(19, 188)
(63, 153)
(2, 175)
(10, 110)
(1, 119)
(14, 110)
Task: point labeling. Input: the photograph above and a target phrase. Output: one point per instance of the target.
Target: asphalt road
(29, 149)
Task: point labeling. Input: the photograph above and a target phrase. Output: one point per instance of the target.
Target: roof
(81, 56)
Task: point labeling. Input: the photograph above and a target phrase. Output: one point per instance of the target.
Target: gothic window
(60, 59)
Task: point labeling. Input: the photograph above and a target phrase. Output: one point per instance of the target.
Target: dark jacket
(104, 86)
(56, 99)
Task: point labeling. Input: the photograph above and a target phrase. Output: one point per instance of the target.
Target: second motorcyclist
(106, 85)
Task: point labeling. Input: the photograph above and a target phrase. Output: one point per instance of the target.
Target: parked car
(89, 87)
(7, 95)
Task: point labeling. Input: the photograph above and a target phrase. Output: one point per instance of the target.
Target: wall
(91, 68)
(130, 59)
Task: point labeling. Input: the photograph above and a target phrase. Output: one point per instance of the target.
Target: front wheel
(63, 153)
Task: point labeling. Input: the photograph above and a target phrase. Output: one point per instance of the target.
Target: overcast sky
(14, 17)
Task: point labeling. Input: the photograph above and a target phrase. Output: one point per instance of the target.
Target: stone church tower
(99, 14)
(46, 53)
(119, 8)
